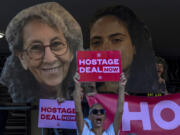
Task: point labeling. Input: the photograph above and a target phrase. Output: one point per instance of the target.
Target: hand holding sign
(122, 82)
(78, 89)
(99, 66)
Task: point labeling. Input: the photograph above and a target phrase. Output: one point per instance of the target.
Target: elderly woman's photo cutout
(43, 41)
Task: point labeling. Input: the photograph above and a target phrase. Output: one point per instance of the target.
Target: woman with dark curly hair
(43, 41)
(118, 28)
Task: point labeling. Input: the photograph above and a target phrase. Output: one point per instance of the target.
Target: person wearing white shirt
(97, 114)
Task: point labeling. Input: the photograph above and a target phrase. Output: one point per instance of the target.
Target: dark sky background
(162, 17)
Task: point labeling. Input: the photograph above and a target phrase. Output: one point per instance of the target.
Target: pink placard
(55, 115)
(99, 66)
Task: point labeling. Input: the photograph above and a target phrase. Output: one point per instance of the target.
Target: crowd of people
(43, 40)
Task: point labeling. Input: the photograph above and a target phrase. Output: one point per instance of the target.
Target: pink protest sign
(99, 66)
(54, 115)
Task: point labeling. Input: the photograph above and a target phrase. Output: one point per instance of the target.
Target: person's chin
(52, 82)
(98, 125)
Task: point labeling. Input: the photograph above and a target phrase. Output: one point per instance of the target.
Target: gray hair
(21, 83)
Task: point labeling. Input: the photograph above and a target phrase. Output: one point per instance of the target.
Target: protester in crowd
(97, 114)
(161, 66)
(118, 28)
(43, 41)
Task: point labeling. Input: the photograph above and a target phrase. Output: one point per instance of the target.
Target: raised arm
(120, 104)
(77, 99)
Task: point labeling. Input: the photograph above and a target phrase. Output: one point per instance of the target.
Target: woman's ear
(23, 60)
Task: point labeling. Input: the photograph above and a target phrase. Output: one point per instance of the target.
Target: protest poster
(56, 115)
(99, 66)
(143, 115)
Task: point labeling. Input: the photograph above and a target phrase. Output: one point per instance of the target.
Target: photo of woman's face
(50, 69)
(109, 33)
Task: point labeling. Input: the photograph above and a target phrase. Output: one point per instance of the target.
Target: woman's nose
(49, 56)
(106, 45)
